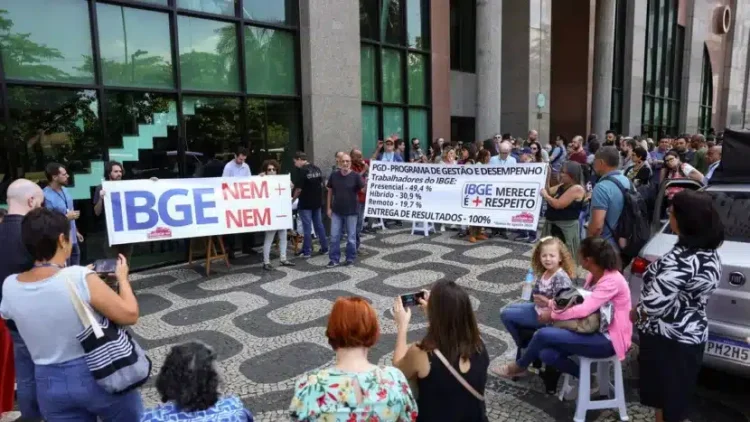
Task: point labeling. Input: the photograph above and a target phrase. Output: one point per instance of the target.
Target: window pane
(142, 134)
(276, 11)
(393, 121)
(368, 19)
(417, 24)
(392, 84)
(51, 46)
(208, 54)
(418, 127)
(219, 7)
(159, 2)
(368, 78)
(269, 61)
(134, 47)
(391, 22)
(369, 128)
(274, 131)
(212, 129)
(417, 79)
(59, 125)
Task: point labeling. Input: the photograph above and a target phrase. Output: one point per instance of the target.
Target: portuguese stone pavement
(269, 327)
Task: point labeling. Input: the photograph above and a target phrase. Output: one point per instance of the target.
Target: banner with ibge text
(470, 195)
(145, 210)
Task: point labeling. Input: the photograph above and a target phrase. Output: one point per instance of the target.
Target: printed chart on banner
(488, 196)
(143, 210)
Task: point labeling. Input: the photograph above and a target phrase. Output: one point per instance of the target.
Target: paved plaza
(269, 327)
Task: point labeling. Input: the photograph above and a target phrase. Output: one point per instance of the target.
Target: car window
(734, 208)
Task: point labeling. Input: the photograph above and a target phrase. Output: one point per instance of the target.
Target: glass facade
(463, 22)
(705, 109)
(663, 69)
(394, 60)
(164, 87)
(618, 74)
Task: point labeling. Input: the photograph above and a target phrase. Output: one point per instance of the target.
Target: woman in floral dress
(353, 390)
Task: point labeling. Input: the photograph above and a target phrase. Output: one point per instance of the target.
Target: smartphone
(105, 266)
(412, 299)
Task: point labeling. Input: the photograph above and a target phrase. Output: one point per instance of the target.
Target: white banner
(472, 195)
(144, 210)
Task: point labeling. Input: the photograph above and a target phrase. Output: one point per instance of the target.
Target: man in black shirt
(308, 188)
(343, 187)
(113, 172)
(23, 196)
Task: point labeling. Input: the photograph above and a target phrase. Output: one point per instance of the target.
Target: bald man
(343, 187)
(576, 152)
(23, 196)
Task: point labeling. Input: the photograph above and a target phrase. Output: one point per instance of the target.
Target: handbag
(116, 361)
(567, 298)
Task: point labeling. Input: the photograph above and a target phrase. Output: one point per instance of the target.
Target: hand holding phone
(412, 299)
(105, 266)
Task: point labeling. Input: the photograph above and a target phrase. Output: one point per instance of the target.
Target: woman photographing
(450, 363)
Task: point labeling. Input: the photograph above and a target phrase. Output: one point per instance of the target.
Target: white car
(728, 308)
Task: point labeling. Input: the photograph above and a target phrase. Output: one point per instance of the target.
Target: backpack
(632, 231)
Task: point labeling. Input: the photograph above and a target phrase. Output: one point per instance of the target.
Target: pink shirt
(611, 287)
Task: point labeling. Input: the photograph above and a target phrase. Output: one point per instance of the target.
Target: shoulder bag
(114, 358)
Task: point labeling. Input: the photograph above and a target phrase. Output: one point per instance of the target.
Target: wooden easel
(211, 251)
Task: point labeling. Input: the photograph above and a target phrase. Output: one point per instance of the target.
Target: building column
(331, 92)
(634, 61)
(604, 49)
(440, 44)
(527, 48)
(489, 67)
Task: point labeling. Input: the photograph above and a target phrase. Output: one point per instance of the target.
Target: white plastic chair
(584, 402)
(422, 226)
(378, 224)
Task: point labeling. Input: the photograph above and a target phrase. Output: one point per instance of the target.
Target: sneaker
(522, 238)
(348, 263)
(285, 263)
(332, 264)
(301, 254)
(362, 252)
(267, 267)
(532, 239)
(323, 252)
(482, 237)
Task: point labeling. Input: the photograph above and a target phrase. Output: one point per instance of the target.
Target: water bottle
(528, 285)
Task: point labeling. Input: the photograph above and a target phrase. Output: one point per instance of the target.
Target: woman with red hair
(354, 389)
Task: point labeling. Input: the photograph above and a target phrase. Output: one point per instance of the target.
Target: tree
(24, 58)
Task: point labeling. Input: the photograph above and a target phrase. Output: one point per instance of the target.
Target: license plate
(729, 349)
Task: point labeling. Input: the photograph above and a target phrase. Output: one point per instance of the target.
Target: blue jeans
(75, 255)
(68, 392)
(26, 385)
(555, 345)
(360, 222)
(337, 227)
(519, 316)
(310, 217)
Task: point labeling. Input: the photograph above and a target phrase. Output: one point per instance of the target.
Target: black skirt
(668, 374)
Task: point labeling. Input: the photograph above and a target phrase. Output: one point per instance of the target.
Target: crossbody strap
(458, 376)
(82, 309)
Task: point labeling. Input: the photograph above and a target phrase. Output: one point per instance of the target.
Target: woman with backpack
(676, 169)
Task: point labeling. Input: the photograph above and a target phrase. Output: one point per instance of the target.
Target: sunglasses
(271, 169)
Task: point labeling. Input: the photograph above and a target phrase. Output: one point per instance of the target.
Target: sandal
(504, 372)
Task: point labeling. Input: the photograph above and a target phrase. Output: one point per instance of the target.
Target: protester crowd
(52, 306)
